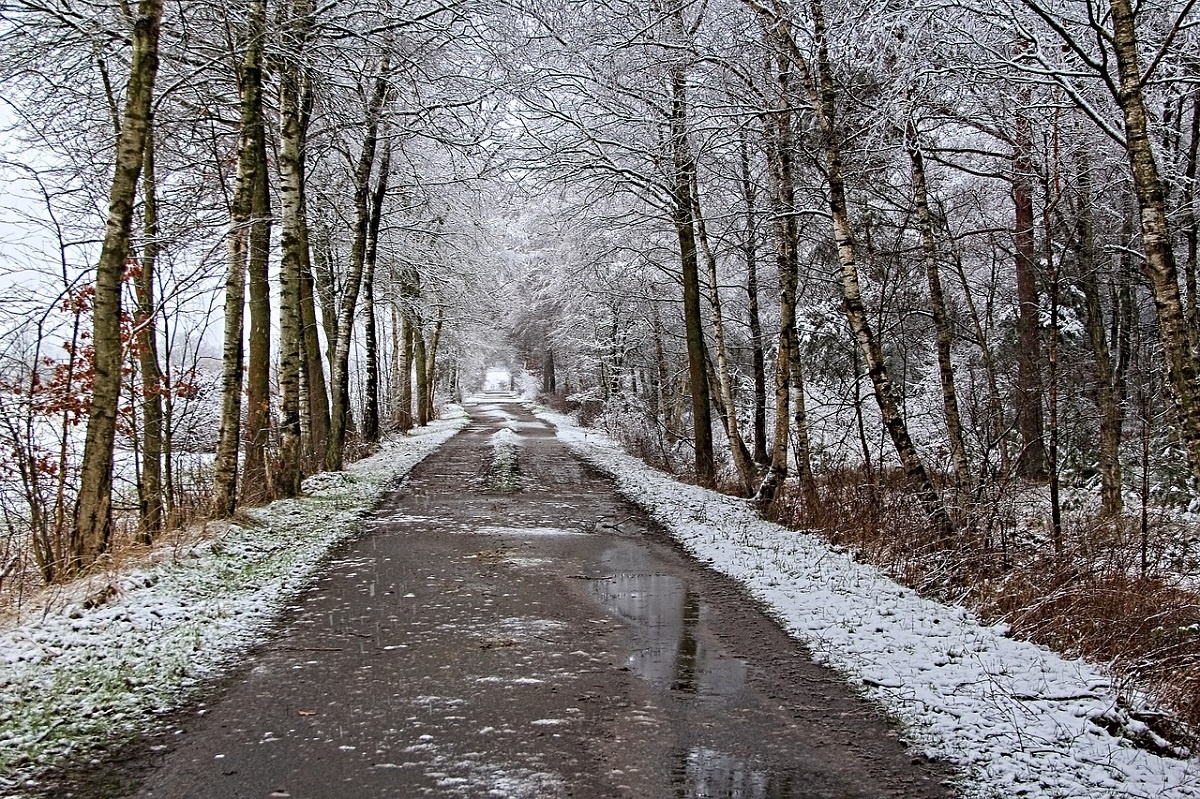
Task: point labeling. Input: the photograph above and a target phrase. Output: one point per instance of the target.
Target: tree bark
(292, 257)
(92, 523)
(327, 293)
(941, 321)
(741, 456)
(150, 485)
(419, 367)
(778, 143)
(257, 483)
(250, 165)
(370, 425)
(1190, 226)
(431, 364)
(684, 168)
(757, 356)
(340, 377)
(549, 380)
(1183, 371)
(371, 431)
(1032, 460)
(404, 399)
(801, 443)
(313, 364)
(1106, 389)
(1053, 461)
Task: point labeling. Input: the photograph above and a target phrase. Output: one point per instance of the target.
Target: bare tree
(340, 371)
(250, 176)
(820, 88)
(92, 529)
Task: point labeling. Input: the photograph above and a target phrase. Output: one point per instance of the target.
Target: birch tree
(340, 367)
(820, 92)
(92, 529)
(1100, 42)
(250, 177)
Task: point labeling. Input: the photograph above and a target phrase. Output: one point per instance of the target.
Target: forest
(921, 275)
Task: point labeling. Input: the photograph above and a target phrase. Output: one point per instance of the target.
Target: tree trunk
(150, 489)
(92, 524)
(313, 363)
(1183, 371)
(778, 143)
(800, 440)
(422, 375)
(404, 405)
(1106, 393)
(1032, 460)
(293, 257)
(665, 398)
(431, 363)
(170, 519)
(327, 293)
(684, 169)
(340, 377)
(941, 321)
(397, 366)
(741, 456)
(1053, 461)
(370, 425)
(370, 431)
(549, 380)
(257, 483)
(225, 467)
(1191, 229)
(757, 357)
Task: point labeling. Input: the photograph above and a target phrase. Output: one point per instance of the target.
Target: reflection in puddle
(705, 773)
(526, 532)
(689, 648)
(664, 621)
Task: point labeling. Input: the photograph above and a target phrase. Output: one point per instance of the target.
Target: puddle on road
(704, 773)
(663, 620)
(666, 624)
(526, 532)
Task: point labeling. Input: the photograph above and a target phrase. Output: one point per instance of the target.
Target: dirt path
(520, 632)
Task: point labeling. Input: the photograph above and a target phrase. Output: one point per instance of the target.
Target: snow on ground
(74, 677)
(505, 436)
(1017, 719)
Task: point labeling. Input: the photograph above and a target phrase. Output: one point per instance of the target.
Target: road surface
(509, 626)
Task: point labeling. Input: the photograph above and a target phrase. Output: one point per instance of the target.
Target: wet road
(510, 627)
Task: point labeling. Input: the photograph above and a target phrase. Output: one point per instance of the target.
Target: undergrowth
(1111, 595)
(503, 470)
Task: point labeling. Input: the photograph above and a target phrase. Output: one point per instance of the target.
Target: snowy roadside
(77, 678)
(1018, 719)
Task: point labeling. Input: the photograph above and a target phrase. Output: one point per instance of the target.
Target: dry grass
(1092, 600)
(24, 593)
(27, 596)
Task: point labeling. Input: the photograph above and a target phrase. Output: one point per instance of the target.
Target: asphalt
(511, 627)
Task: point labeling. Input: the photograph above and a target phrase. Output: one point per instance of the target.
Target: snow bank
(1018, 719)
(81, 677)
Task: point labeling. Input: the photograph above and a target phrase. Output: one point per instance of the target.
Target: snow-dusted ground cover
(1016, 718)
(76, 677)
